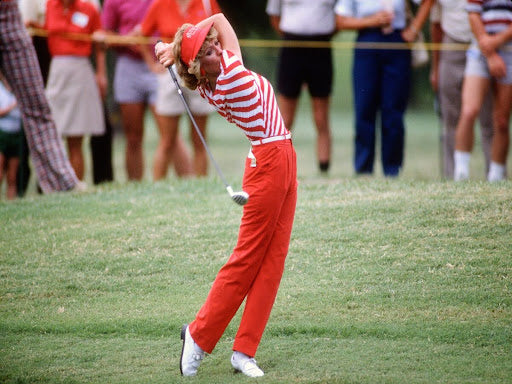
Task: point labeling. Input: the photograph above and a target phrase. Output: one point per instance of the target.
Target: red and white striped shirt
(246, 99)
(496, 14)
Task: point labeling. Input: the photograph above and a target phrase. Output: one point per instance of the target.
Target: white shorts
(169, 103)
(476, 63)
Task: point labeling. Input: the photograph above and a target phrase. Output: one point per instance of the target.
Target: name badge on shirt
(80, 19)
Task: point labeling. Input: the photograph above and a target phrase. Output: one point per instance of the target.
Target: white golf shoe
(245, 364)
(191, 354)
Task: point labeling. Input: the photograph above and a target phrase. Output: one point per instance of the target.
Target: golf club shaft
(189, 112)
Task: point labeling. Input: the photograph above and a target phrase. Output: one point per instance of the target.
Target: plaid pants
(18, 63)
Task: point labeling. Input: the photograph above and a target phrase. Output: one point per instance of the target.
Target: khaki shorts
(169, 103)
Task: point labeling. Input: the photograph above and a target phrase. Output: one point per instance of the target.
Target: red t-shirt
(81, 17)
(166, 16)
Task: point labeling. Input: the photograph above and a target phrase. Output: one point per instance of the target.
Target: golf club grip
(189, 112)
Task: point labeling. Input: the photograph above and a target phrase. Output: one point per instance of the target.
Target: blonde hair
(191, 74)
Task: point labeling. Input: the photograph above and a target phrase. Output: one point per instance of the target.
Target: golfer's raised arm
(226, 33)
(163, 53)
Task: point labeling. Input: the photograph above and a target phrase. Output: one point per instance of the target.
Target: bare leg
(12, 171)
(200, 156)
(288, 106)
(76, 156)
(473, 92)
(486, 128)
(323, 141)
(501, 137)
(168, 127)
(181, 158)
(133, 124)
(2, 167)
(175, 151)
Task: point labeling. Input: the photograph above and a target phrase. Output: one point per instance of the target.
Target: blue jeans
(381, 81)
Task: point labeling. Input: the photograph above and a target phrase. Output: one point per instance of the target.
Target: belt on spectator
(271, 139)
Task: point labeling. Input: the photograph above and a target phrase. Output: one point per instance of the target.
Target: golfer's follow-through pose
(208, 57)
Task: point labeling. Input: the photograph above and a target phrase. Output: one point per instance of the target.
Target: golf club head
(241, 198)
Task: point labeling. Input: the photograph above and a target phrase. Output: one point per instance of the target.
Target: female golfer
(208, 57)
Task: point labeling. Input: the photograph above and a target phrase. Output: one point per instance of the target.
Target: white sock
(197, 348)
(240, 356)
(461, 171)
(496, 172)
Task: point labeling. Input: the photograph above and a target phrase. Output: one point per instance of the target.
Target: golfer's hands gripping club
(163, 53)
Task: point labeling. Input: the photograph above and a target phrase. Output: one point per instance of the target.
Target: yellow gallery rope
(114, 40)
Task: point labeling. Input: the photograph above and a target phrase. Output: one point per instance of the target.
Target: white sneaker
(191, 354)
(460, 175)
(497, 172)
(245, 364)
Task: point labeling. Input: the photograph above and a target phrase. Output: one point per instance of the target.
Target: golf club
(240, 197)
(437, 110)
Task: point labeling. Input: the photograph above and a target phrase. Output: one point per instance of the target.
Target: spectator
(381, 77)
(489, 64)
(165, 20)
(19, 65)
(74, 91)
(306, 20)
(101, 152)
(135, 86)
(11, 138)
(449, 25)
(101, 145)
(33, 13)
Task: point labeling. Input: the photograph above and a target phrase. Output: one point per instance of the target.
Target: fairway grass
(387, 281)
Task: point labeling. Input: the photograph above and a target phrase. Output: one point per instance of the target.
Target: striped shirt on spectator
(246, 99)
(496, 14)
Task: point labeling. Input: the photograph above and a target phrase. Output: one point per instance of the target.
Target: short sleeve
(273, 7)
(215, 7)
(95, 19)
(109, 16)
(474, 6)
(148, 24)
(435, 13)
(345, 8)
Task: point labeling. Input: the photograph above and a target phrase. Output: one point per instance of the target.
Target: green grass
(387, 281)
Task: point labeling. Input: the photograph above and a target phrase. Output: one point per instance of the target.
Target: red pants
(256, 265)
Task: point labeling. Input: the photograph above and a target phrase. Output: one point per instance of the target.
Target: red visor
(193, 39)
